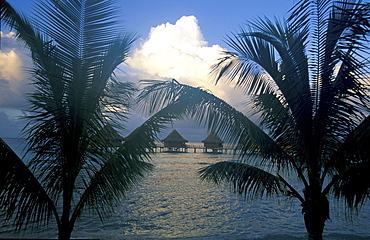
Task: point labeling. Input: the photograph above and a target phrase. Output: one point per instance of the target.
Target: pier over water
(174, 142)
(193, 147)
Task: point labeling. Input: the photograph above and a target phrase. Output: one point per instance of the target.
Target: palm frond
(245, 179)
(82, 29)
(253, 73)
(279, 82)
(342, 96)
(23, 28)
(353, 184)
(126, 166)
(74, 84)
(76, 46)
(299, 15)
(353, 150)
(113, 180)
(182, 101)
(21, 195)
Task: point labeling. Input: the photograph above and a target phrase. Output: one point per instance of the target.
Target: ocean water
(172, 203)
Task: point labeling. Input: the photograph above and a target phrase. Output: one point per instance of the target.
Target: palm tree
(75, 47)
(308, 79)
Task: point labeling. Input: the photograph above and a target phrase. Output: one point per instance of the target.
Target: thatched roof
(212, 138)
(174, 136)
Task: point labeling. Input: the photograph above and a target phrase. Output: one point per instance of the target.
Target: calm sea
(172, 203)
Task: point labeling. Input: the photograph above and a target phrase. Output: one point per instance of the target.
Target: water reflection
(172, 203)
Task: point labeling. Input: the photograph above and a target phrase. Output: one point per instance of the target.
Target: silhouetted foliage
(75, 47)
(308, 77)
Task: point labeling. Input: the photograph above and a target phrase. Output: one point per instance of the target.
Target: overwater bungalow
(214, 142)
(175, 142)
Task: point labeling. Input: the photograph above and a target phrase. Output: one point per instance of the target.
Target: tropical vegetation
(308, 78)
(78, 162)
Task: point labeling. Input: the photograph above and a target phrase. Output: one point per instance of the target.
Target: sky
(177, 39)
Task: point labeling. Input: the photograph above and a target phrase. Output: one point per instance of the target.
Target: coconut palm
(75, 110)
(308, 79)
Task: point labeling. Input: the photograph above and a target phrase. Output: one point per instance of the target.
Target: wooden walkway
(159, 147)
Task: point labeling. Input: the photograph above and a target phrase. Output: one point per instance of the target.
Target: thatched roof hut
(213, 141)
(174, 139)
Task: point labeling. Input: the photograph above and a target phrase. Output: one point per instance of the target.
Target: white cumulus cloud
(179, 51)
(11, 66)
(14, 81)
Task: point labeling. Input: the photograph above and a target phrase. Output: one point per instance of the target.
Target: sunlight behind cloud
(179, 51)
(13, 78)
(10, 66)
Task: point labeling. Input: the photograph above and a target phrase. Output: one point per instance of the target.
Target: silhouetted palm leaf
(309, 79)
(21, 194)
(75, 47)
(182, 101)
(246, 179)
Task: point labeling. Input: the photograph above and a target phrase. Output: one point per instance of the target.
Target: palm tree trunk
(66, 227)
(314, 226)
(316, 212)
(65, 231)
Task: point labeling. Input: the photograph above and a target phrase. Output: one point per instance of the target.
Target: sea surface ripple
(173, 203)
